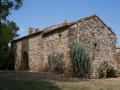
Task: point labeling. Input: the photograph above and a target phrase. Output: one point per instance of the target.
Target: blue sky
(43, 13)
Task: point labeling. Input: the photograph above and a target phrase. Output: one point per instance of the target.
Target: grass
(41, 81)
(17, 81)
(9, 84)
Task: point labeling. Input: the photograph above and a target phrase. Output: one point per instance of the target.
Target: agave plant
(81, 60)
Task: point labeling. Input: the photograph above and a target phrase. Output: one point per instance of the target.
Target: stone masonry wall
(99, 40)
(20, 48)
(117, 57)
(18, 55)
(56, 42)
(24, 53)
(35, 56)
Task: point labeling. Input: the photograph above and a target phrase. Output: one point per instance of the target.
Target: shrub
(55, 62)
(106, 71)
(80, 60)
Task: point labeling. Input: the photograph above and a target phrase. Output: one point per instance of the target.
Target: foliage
(7, 33)
(8, 29)
(6, 6)
(81, 60)
(106, 71)
(55, 62)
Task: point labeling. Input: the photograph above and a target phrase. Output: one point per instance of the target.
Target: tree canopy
(8, 29)
(6, 6)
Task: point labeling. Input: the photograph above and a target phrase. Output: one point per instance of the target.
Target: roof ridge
(83, 18)
(68, 23)
(53, 26)
(63, 24)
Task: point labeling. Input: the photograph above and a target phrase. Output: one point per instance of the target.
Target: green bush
(80, 60)
(106, 71)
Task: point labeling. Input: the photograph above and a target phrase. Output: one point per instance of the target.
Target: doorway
(25, 61)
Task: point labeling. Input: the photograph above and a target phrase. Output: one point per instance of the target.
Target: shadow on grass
(39, 76)
(12, 84)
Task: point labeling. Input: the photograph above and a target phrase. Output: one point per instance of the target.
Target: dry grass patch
(45, 81)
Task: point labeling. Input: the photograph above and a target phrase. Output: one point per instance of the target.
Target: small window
(60, 35)
(95, 45)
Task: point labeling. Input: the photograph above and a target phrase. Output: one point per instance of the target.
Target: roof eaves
(55, 27)
(28, 36)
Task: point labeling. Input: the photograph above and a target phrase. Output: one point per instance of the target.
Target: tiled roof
(55, 27)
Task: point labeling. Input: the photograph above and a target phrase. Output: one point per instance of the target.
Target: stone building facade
(32, 52)
(117, 49)
(117, 57)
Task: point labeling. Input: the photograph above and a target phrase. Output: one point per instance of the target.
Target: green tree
(8, 29)
(6, 6)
